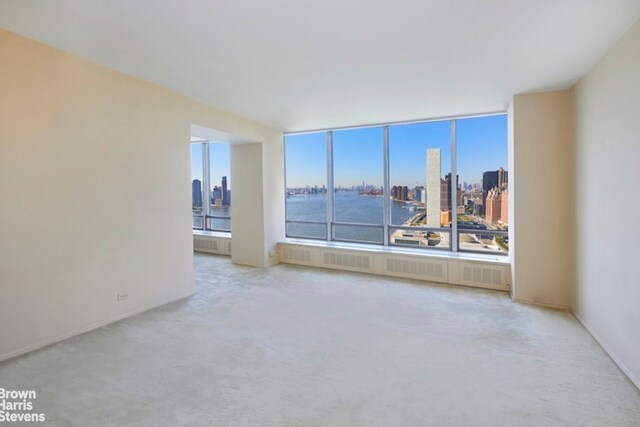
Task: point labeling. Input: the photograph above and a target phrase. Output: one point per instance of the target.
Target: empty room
(319, 213)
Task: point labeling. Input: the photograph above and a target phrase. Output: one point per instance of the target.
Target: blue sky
(482, 146)
(408, 146)
(357, 157)
(306, 156)
(219, 163)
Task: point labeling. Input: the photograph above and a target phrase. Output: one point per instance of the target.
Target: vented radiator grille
(489, 275)
(426, 270)
(484, 276)
(296, 255)
(347, 260)
(211, 245)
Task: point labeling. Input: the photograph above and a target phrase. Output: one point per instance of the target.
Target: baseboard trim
(543, 304)
(92, 326)
(635, 381)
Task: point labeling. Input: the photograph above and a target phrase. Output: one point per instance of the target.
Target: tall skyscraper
(445, 191)
(503, 178)
(216, 195)
(225, 196)
(433, 187)
(493, 179)
(489, 181)
(196, 193)
(420, 194)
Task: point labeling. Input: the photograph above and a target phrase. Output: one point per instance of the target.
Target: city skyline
(219, 162)
(220, 193)
(481, 141)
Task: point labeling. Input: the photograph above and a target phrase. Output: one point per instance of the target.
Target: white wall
(607, 297)
(541, 190)
(274, 196)
(247, 233)
(95, 193)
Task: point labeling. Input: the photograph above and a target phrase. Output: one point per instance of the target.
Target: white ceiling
(298, 65)
(201, 133)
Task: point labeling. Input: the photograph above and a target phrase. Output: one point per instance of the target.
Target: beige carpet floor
(292, 346)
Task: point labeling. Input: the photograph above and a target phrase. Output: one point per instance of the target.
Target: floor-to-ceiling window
(358, 175)
(483, 216)
(211, 186)
(402, 184)
(306, 201)
(420, 172)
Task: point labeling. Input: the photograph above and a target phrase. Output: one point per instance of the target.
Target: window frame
(454, 231)
(206, 190)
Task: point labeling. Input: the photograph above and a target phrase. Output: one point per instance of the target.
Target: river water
(349, 206)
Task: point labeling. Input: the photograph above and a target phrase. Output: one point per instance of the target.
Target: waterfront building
(216, 194)
(398, 192)
(225, 200)
(196, 193)
(404, 193)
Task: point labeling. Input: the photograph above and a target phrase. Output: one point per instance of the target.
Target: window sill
(394, 250)
(212, 234)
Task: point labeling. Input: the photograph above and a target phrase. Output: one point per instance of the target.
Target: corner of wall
(541, 168)
(606, 101)
(273, 186)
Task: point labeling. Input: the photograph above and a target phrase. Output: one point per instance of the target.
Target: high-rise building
(503, 178)
(196, 193)
(216, 195)
(225, 200)
(504, 210)
(493, 179)
(493, 205)
(433, 187)
(497, 206)
(445, 193)
(399, 192)
(489, 181)
(445, 190)
(404, 193)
